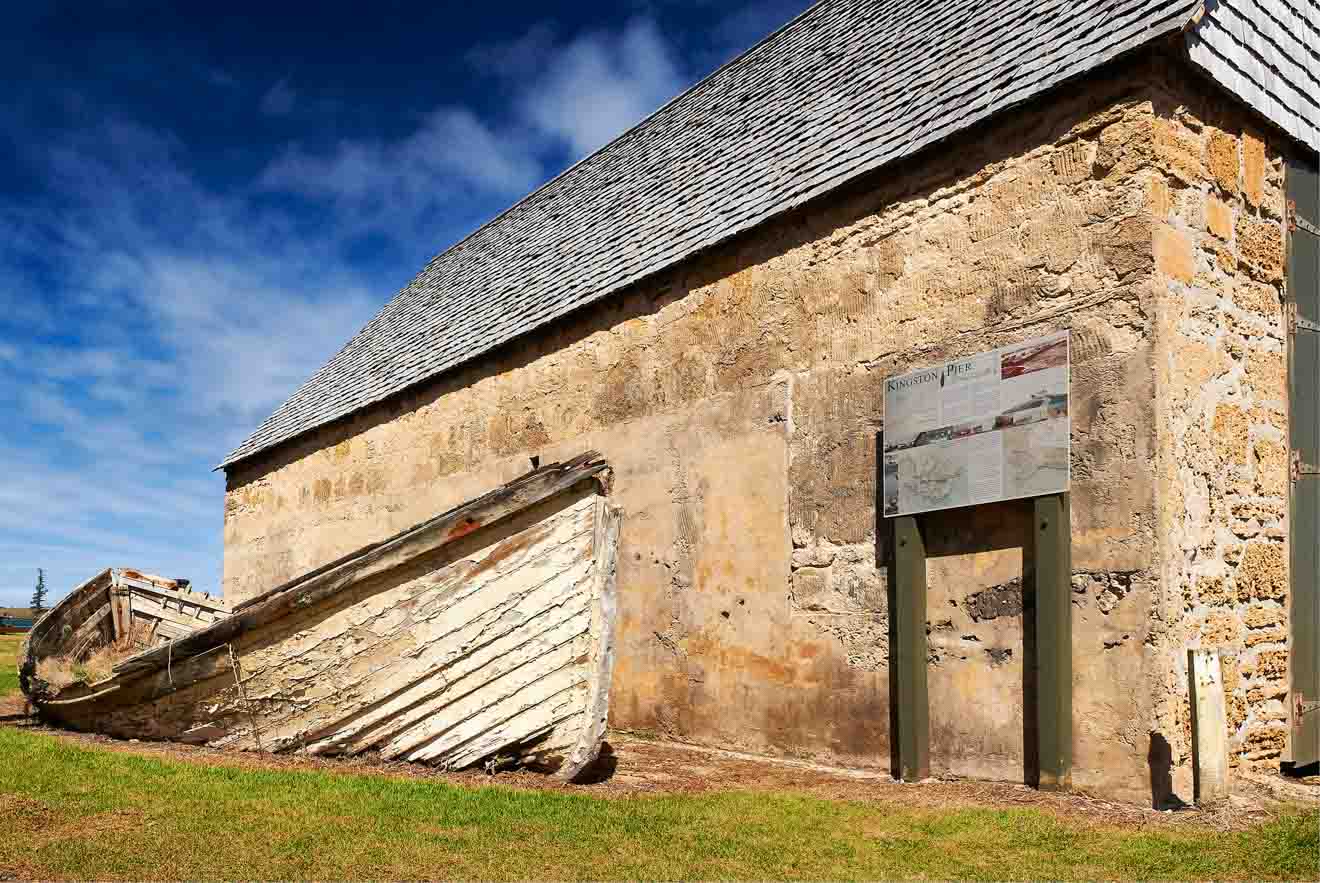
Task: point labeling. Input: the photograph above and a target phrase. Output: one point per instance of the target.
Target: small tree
(39, 594)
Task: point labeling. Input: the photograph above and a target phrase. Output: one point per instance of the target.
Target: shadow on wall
(1160, 758)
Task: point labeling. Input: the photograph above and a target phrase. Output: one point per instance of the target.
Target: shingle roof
(1267, 52)
(847, 87)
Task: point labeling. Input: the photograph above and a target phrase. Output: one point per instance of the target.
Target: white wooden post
(1209, 727)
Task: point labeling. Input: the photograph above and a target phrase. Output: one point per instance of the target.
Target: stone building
(714, 299)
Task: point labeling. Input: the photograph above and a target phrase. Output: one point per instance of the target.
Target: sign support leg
(910, 653)
(1054, 640)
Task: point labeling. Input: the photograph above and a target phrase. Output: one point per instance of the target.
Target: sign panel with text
(989, 427)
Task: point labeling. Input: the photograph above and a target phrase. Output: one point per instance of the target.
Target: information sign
(989, 427)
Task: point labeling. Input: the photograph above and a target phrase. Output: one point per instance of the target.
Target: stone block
(1257, 637)
(1219, 217)
(1272, 664)
(1158, 198)
(1264, 741)
(1262, 574)
(1225, 259)
(1264, 692)
(1259, 511)
(1260, 246)
(1222, 160)
(1221, 629)
(810, 587)
(1230, 433)
(1259, 616)
(1174, 255)
(1237, 713)
(1257, 298)
(1253, 168)
(1215, 591)
(1178, 150)
(1072, 162)
(1271, 468)
(1126, 245)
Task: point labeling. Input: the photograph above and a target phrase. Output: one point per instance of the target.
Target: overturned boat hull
(482, 635)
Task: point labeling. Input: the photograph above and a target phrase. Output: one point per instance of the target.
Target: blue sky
(197, 208)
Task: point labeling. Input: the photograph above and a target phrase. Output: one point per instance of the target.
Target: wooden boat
(481, 635)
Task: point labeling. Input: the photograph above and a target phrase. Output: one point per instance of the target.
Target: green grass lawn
(70, 811)
(9, 645)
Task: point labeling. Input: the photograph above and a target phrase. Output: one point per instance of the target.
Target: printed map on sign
(992, 426)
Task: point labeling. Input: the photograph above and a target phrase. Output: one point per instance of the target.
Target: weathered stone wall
(738, 398)
(1218, 209)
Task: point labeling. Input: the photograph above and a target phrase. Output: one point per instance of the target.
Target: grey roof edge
(1178, 16)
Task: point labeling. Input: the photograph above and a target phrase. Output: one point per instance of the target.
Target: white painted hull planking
(482, 635)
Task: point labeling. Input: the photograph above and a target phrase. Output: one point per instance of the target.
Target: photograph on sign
(988, 427)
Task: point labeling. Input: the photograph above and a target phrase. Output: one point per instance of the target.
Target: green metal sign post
(1053, 640)
(1053, 548)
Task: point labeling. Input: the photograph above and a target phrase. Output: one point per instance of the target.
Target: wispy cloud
(221, 77)
(575, 95)
(150, 316)
(185, 315)
(579, 93)
(597, 85)
(452, 157)
(279, 99)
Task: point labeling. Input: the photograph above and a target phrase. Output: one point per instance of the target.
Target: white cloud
(194, 314)
(598, 85)
(451, 143)
(573, 96)
(185, 314)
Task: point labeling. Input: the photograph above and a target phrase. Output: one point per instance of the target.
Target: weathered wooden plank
(48, 632)
(446, 595)
(452, 664)
(89, 631)
(381, 720)
(145, 605)
(1303, 183)
(1209, 727)
(605, 548)
(171, 679)
(532, 722)
(457, 713)
(537, 706)
(186, 599)
(121, 611)
(332, 690)
(424, 539)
